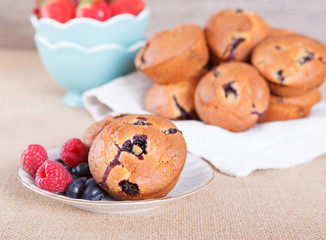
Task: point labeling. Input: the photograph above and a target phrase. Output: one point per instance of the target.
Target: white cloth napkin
(265, 146)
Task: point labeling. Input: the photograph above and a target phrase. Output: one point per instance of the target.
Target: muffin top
(233, 96)
(232, 33)
(137, 156)
(291, 60)
(94, 129)
(173, 101)
(167, 44)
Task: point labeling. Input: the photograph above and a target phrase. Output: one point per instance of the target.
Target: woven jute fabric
(269, 204)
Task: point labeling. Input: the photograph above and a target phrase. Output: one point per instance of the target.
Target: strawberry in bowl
(133, 7)
(87, 43)
(91, 22)
(60, 10)
(96, 9)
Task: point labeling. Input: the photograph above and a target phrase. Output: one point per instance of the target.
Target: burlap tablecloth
(272, 204)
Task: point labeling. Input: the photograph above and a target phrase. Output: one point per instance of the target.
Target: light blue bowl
(77, 69)
(123, 29)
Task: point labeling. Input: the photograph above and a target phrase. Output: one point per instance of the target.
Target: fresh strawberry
(127, 6)
(52, 177)
(33, 157)
(60, 10)
(75, 2)
(96, 9)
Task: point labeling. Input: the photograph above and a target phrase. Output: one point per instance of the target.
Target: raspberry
(52, 177)
(74, 152)
(33, 157)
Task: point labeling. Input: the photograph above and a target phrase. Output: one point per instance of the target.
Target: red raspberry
(52, 177)
(33, 157)
(74, 152)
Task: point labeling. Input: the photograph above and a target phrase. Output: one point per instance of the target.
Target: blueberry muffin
(173, 101)
(171, 56)
(232, 96)
(293, 64)
(287, 108)
(94, 129)
(233, 33)
(285, 91)
(275, 32)
(138, 157)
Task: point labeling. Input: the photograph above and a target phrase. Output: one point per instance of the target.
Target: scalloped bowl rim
(75, 21)
(101, 47)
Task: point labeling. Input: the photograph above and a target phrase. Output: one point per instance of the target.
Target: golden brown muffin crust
(94, 129)
(233, 33)
(165, 45)
(287, 108)
(175, 55)
(284, 91)
(173, 101)
(138, 157)
(291, 60)
(233, 96)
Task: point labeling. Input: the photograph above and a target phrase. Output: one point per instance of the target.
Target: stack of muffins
(294, 68)
(256, 73)
(175, 61)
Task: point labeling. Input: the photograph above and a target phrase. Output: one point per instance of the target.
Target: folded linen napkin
(270, 145)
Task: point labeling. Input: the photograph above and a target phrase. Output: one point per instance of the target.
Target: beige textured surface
(273, 204)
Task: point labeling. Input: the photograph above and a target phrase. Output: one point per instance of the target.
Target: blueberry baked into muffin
(233, 33)
(232, 96)
(173, 101)
(292, 64)
(287, 108)
(138, 157)
(174, 55)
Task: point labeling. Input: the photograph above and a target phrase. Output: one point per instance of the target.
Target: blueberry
(75, 189)
(229, 89)
(90, 181)
(280, 76)
(171, 131)
(93, 192)
(81, 170)
(183, 113)
(129, 187)
(69, 169)
(83, 180)
(232, 47)
(59, 160)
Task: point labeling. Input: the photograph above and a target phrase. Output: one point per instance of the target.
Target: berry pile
(69, 175)
(101, 10)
